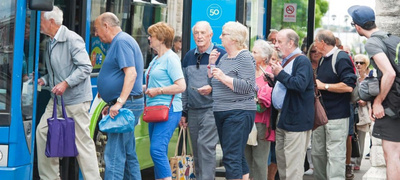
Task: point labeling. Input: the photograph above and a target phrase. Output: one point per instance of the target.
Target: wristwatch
(120, 100)
(326, 86)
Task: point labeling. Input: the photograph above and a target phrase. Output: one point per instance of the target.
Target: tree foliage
(300, 26)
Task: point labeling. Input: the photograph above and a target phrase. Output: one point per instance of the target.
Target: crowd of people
(222, 94)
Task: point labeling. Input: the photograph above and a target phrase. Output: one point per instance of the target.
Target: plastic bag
(122, 123)
(252, 140)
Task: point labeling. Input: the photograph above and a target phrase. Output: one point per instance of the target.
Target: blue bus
(22, 102)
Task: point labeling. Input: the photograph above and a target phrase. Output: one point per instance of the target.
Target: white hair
(55, 14)
(203, 23)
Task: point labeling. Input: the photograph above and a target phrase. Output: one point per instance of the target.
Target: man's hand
(377, 111)
(114, 110)
(205, 90)
(41, 82)
(104, 112)
(276, 68)
(60, 88)
(183, 122)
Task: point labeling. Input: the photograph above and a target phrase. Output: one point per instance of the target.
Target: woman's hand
(213, 56)
(218, 74)
(152, 92)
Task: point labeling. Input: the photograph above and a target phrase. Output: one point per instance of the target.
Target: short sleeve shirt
(164, 71)
(123, 52)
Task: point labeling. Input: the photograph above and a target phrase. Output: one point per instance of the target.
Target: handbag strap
(62, 107)
(147, 81)
(290, 59)
(177, 143)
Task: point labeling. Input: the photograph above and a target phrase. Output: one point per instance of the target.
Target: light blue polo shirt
(164, 71)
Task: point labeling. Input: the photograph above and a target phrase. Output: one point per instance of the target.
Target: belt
(130, 97)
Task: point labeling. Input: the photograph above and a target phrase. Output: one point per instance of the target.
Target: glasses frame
(353, 24)
(199, 56)
(360, 63)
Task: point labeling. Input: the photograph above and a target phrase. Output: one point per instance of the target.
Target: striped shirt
(242, 69)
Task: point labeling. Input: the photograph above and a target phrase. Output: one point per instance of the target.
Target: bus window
(28, 65)
(7, 22)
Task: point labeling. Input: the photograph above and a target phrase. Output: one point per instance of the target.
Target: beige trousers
(87, 159)
(290, 152)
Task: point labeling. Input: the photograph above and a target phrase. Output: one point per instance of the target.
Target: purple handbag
(61, 134)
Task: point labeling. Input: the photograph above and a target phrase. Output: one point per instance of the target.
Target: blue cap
(361, 14)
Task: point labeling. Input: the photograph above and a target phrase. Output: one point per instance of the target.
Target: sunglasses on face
(313, 51)
(353, 24)
(361, 63)
(198, 60)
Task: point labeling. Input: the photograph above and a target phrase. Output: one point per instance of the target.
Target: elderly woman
(363, 126)
(314, 56)
(233, 84)
(165, 82)
(257, 156)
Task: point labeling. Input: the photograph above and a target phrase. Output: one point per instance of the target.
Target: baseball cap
(361, 14)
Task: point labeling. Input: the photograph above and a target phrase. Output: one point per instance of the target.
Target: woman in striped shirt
(233, 84)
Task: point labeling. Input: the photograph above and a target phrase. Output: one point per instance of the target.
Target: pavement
(365, 165)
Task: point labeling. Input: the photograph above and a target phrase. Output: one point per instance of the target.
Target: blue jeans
(160, 134)
(120, 153)
(234, 127)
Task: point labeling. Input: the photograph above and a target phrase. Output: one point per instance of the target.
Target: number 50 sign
(214, 11)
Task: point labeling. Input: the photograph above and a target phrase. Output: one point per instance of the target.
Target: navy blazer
(297, 113)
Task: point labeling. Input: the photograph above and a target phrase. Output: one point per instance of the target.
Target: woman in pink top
(257, 154)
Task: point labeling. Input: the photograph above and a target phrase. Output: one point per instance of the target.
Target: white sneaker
(309, 172)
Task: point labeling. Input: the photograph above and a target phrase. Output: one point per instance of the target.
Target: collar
(56, 37)
(208, 51)
(331, 52)
(296, 51)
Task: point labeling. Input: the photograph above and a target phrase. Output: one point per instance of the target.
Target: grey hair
(56, 14)
(292, 35)
(326, 36)
(272, 31)
(110, 18)
(238, 32)
(266, 49)
(203, 23)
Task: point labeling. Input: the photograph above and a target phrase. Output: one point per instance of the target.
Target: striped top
(242, 69)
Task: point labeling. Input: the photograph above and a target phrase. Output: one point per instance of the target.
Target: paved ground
(365, 165)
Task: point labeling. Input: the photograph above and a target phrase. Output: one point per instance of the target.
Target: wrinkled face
(283, 44)
(202, 36)
(226, 39)
(257, 54)
(272, 38)
(319, 45)
(44, 24)
(154, 42)
(100, 31)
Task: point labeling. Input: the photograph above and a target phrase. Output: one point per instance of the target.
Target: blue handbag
(61, 134)
(122, 123)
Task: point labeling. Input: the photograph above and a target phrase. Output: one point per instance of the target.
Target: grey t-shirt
(374, 44)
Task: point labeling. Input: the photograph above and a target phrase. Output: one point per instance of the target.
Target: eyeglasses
(199, 56)
(359, 62)
(352, 23)
(313, 51)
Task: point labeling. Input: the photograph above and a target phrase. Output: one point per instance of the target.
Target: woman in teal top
(165, 80)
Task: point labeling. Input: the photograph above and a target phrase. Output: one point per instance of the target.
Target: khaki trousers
(87, 159)
(290, 152)
(329, 150)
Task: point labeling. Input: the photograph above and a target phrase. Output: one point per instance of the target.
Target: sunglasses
(313, 51)
(353, 24)
(361, 63)
(198, 60)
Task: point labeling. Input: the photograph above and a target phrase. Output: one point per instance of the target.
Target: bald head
(109, 18)
(106, 27)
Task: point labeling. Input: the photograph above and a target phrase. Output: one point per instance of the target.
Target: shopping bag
(182, 167)
(60, 134)
(252, 140)
(122, 123)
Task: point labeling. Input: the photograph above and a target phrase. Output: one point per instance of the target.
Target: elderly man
(336, 82)
(198, 103)
(293, 102)
(386, 127)
(69, 68)
(120, 85)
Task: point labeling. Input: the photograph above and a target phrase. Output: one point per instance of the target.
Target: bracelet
(161, 90)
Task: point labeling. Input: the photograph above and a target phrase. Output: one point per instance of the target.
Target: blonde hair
(362, 57)
(163, 32)
(238, 33)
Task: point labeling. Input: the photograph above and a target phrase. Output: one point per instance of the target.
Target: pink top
(264, 96)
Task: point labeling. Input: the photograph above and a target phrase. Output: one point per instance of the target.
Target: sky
(339, 8)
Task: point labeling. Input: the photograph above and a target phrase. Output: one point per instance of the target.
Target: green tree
(300, 26)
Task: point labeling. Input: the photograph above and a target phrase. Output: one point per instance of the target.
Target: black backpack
(392, 101)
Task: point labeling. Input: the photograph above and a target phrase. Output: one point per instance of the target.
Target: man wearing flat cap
(386, 127)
